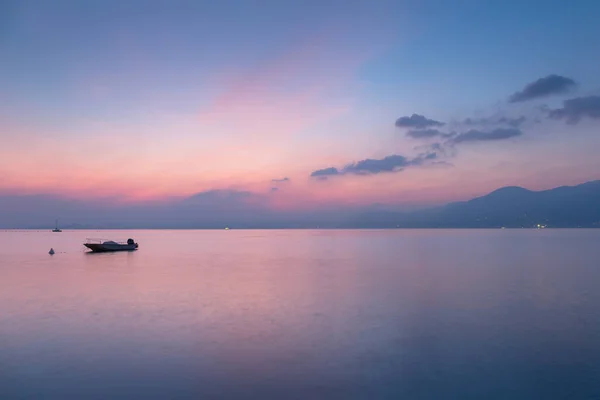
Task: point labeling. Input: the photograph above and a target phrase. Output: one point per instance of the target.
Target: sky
(301, 106)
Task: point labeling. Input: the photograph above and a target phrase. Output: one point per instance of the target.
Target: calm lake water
(411, 314)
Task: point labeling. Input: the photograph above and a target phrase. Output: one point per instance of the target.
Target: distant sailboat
(56, 229)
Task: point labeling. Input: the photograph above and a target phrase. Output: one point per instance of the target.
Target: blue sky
(191, 96)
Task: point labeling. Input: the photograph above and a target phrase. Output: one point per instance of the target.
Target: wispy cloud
(489, 128)
(543, 87)
(574, 110)
(474, 135)
(417, 121)
(369, 166)
(425, 133)
(374, 166)
(324, 172)
(441, 149)
(282, 180)
(514, 122)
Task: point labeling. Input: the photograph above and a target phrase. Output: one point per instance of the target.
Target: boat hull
(105, 248)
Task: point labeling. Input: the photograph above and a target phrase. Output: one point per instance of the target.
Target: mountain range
(509, 207)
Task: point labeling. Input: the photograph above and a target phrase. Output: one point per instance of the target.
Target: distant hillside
(510, 207)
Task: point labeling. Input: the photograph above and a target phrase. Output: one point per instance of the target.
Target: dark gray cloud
(494, 125)
(286, 179)
(552, 84)
(325, 172)
(514, 122)
(494, 121)
(574, 110)
(274, 189)
(424, 133)
(374, 166)
(369, 166)
(417, 121)
(475, 135)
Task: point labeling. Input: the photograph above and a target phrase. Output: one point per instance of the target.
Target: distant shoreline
(294, 229)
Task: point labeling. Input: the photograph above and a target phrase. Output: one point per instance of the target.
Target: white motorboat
(101, 245)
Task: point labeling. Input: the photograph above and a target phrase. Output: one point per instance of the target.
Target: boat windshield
(103, 241)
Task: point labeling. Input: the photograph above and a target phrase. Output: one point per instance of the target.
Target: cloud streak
(475, 135)
(543, 87)
(514, 122)
(491, 121)
(574, 110)
(286, 179)
(491, 128)
(325, 172)
(425, 133)
(417, 121)
(375, 166)
(370, 166)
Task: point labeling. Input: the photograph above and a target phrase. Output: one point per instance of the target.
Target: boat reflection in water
(101, 245)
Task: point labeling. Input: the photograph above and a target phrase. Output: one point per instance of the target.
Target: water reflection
(302, 314)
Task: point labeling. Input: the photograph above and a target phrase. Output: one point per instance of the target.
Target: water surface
(431, 314)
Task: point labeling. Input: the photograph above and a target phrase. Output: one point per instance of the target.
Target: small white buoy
(51, 252)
